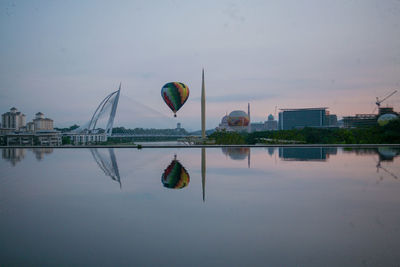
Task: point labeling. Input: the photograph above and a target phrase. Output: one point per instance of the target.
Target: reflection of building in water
(175, 175)
(306, 153)
(13, 155)
(40, 152)
(271, 150)
(237, 153)
(386, 154)
(107, 163)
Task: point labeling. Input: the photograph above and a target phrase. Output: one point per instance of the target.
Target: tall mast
(203, 108)
(248, 113)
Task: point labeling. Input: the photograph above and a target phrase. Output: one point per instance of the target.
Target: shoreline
(209, 146)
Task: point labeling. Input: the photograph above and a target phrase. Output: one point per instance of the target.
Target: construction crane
(378, 102)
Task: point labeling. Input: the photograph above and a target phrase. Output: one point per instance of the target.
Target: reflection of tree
(107, 163)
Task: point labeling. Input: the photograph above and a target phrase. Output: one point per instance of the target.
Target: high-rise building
(13, 119)
(42, 124)
(331, 120)
(303, 117)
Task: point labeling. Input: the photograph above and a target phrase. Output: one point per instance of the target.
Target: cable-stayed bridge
(94, 131)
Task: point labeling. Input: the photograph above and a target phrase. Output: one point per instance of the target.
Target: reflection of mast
(109, 167)
(203, 172)
(248, 158)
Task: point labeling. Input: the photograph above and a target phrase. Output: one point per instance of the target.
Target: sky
(63, 57)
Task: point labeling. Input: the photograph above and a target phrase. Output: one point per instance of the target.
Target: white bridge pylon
(106, 107)
(110, 100)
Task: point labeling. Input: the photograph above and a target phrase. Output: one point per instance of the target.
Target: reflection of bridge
(107, 163)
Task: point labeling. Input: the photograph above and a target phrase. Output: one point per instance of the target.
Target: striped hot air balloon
(175, 176)
(175, 95)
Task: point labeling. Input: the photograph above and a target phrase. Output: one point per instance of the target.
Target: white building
(271, 124)
(42, 124)
(86, 138)
(13, 119)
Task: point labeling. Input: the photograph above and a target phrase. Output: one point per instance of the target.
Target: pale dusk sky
(63, 57)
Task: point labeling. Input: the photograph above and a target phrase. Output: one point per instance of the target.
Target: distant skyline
(63, 57)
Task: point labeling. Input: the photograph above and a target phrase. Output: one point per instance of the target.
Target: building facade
(257, 126)
(331, 120)
(86, 138)
(299, 118)
(271, 124)
(42, 124)
(13, 120)
(360, 120)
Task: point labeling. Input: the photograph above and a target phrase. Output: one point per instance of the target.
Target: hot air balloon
(175, 175)
(175, 95)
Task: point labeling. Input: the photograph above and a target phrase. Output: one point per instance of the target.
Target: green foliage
(141, 131)
(118, 141)
(66, 140)
(228, 138)
(388, 134)
(63, 130)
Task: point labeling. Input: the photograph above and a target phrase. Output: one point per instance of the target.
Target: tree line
(388, 134)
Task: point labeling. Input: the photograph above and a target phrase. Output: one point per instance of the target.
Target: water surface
(200, 207)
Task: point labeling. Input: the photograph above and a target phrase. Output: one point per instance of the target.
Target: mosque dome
(238, 118)
(270, 117)
(385, 118)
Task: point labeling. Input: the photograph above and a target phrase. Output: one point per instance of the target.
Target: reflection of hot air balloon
(175, 176)
(175, 95)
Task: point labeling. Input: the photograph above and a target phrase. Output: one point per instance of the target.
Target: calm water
(200, 207)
